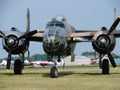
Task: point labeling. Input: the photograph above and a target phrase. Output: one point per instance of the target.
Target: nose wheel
(54, 72)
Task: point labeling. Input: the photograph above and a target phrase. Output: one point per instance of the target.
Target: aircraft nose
(51, 40)
(52, 44)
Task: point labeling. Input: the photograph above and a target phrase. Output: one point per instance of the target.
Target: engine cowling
(104, 43)
(11, 41)
(13, 45)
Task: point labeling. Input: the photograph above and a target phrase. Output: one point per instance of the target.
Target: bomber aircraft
(60, 38)
(17, 43)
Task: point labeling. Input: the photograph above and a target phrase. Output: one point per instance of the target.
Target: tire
(54, 72)
(18, 67)
(105, 66)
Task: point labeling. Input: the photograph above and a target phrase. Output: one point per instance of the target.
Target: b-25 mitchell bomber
(59, 39)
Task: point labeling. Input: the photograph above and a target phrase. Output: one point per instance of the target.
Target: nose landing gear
(54, 72)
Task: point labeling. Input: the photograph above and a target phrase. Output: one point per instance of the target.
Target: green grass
(71, 78)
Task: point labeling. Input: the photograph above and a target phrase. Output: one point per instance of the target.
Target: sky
(82, 14)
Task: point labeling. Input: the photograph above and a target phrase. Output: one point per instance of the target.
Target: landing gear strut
(8, 61)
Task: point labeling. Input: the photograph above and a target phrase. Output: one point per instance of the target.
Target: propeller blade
(28, 20)
(29, 34)
(114, 25)
(2, 35)
(111, 60)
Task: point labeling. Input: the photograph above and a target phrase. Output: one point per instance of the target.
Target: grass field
(71, 78)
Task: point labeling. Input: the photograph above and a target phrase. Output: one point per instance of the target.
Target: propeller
(105, 43)
(112, 28)
(28, 34)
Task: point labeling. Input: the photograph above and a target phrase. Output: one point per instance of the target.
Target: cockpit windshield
(55, 31)
(51, 32)
(56, 23)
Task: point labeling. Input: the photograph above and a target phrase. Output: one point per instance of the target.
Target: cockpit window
(51, 32)
(56, 23)
(60, 25)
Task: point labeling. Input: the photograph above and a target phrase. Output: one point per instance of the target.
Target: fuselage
(55, 40)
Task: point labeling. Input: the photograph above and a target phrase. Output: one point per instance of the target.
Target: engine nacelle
(13, 45)
(103, 43)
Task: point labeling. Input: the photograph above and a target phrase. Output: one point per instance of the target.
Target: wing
(82, 36)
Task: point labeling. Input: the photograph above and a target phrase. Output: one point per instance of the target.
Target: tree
(86, 53)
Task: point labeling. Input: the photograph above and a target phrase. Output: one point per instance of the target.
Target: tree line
(87, 54)
(34, 57)
(43, 57)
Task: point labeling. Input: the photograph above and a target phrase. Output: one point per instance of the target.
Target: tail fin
(28, 20)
